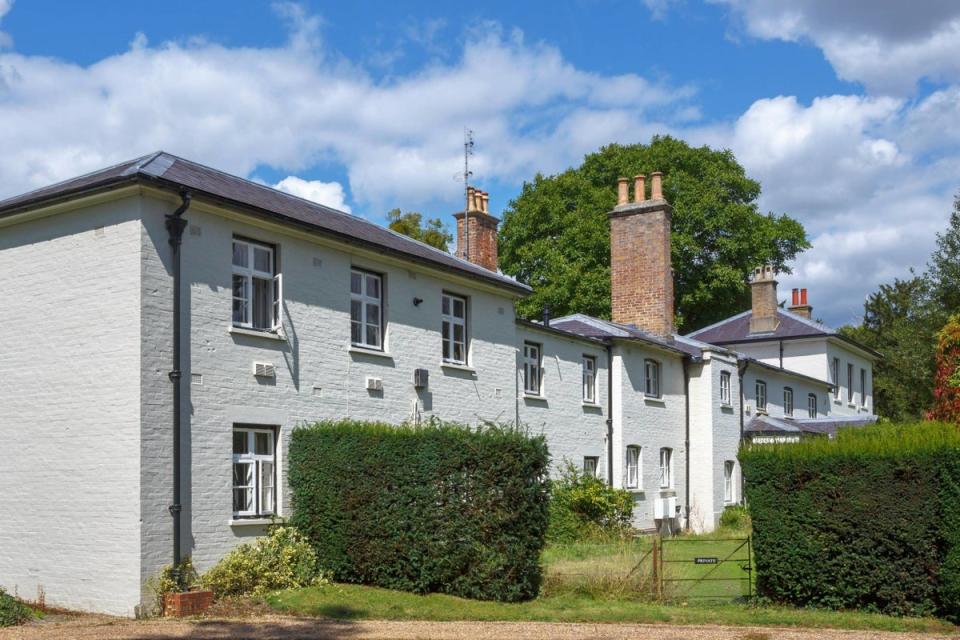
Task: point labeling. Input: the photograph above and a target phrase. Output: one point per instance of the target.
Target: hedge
(436, 508)
(870, 520)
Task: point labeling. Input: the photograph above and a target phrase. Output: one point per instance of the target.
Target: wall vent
(421, 378)
(264, 370)
(374, 384)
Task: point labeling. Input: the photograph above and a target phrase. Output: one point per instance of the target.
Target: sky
(848, 113)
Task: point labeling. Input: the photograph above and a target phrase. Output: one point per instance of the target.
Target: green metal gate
(703, 568)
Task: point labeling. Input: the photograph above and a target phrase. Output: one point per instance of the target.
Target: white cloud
(888, 45)
(330, 194)
(5, 39)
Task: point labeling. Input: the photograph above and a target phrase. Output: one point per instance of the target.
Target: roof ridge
(807, 321)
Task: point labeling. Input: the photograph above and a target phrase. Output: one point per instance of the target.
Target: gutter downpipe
(175, 226)
(741, 369)
(609, 414)
(686, 441)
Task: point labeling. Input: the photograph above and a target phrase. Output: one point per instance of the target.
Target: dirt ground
(286, 628)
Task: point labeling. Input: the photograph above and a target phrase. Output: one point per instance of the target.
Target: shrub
(735, 517)
(12, 611)
(166, 582)
(283, 559)
(433, 508)
(584, 507)
(946, 384)
(868, 521)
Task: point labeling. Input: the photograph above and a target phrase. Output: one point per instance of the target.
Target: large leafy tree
(556, 237)
(432, 232)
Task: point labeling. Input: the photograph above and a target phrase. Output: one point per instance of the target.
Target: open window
(257, 287)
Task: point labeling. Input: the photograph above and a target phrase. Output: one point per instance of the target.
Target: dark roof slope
(591, 327)
(166, 170)
(811, 426)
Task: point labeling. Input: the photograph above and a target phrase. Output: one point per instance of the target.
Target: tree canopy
(555, 235)
(433, 232)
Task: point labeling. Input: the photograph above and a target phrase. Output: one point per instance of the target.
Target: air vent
(421, 378)
(264, 370)
(374, 384)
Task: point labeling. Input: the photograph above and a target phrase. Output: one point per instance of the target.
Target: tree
(556, 237)
(944, 267)
(433, 233)
(946, 388)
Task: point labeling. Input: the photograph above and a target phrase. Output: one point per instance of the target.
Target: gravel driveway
(104, 628)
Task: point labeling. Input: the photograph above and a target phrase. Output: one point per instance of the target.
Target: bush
(12, 611)
(584, 507)
(283, 559)
(434, 508)
(868, 521)
(736, 518)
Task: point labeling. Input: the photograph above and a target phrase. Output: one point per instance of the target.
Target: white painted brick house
(292, 312)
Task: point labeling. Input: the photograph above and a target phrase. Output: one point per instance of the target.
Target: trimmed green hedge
(868, 521)
(436, 508)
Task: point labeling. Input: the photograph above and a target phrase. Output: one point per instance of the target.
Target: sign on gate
(682, 570)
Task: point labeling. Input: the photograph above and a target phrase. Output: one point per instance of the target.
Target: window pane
(262, 444)
(355, 282)
(240, 442)
(266, 487)
(262, 260)
(240, 300)
(355, 308)
(445, 305)
(373, 335)
(458, 352)
(242, 500)
(240, 254)
(242, 474)
(262, 303)
(458, 308)
(458, 333)
(373, 287)
(373, 314)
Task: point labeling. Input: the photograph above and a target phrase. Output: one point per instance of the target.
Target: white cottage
(168, 325)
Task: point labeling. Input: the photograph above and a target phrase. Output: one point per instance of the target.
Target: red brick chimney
(800, 306)
(763, 290)
(641, 276)
(477, 231)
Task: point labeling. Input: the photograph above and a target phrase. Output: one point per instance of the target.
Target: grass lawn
(350, 602)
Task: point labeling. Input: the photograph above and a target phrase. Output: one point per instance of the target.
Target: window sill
(453, 366)
(591, 405)
(835, 401)
(534, 396)
(256, 522)
(256, 333)
(851, 405)
(668, 492)
(726, 405)
(657, 402)
(370, 352)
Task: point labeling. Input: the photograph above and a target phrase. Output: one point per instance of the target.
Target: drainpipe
(175, 226)
(686, 441)
(781, 354)
(742, 369)
(609, 414)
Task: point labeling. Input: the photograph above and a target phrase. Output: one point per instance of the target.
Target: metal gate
(702, 568)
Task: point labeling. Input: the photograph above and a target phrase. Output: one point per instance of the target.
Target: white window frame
(850, 391)
(666, 468)
(588, 462)
(788, 401)
(812, 405)
(634, 466)
(449, 320)
(250, 274)
(365, 299)
(835, 370)
(760, 393)
(863, 387)
(532, 368)
(588, 366)
(725, 388)
(651, 378)
(729, 492)
(261, 478)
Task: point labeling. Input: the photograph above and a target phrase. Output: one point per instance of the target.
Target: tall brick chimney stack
(482, 231)
(763, 290)
(800, 306)
(641, 276)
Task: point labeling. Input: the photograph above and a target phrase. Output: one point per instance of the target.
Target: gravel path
(105, 628)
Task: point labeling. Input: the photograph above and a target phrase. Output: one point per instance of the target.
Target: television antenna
(467, 153)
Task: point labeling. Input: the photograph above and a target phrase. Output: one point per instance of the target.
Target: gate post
(657, 574)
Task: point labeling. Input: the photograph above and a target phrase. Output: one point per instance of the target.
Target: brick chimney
(799, 304)
(763, 290)
(641, 276)
(477, 231)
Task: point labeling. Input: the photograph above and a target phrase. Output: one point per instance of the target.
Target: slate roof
(828, 426)
(164, 170)
(591, 327)
(736, 330)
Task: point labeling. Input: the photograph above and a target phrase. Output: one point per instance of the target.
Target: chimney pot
(796, 297)
(471, 198)
(486, 202)
(803, 296)
(639, 188)
(622, 189)
(656, 186)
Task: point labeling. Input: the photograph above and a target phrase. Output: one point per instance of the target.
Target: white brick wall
(776, 382)
(69, 339)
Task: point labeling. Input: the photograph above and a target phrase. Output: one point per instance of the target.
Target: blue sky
(849, 115)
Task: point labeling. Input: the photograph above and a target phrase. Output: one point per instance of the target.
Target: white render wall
(651, 423)
(714, 439)
(69, 403)
(776, 382)
(840, 404)
(318, 377)
(573, 428)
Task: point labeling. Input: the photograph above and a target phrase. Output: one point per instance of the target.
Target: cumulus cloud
(5, 39)
(888, 45)
(330, 194)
